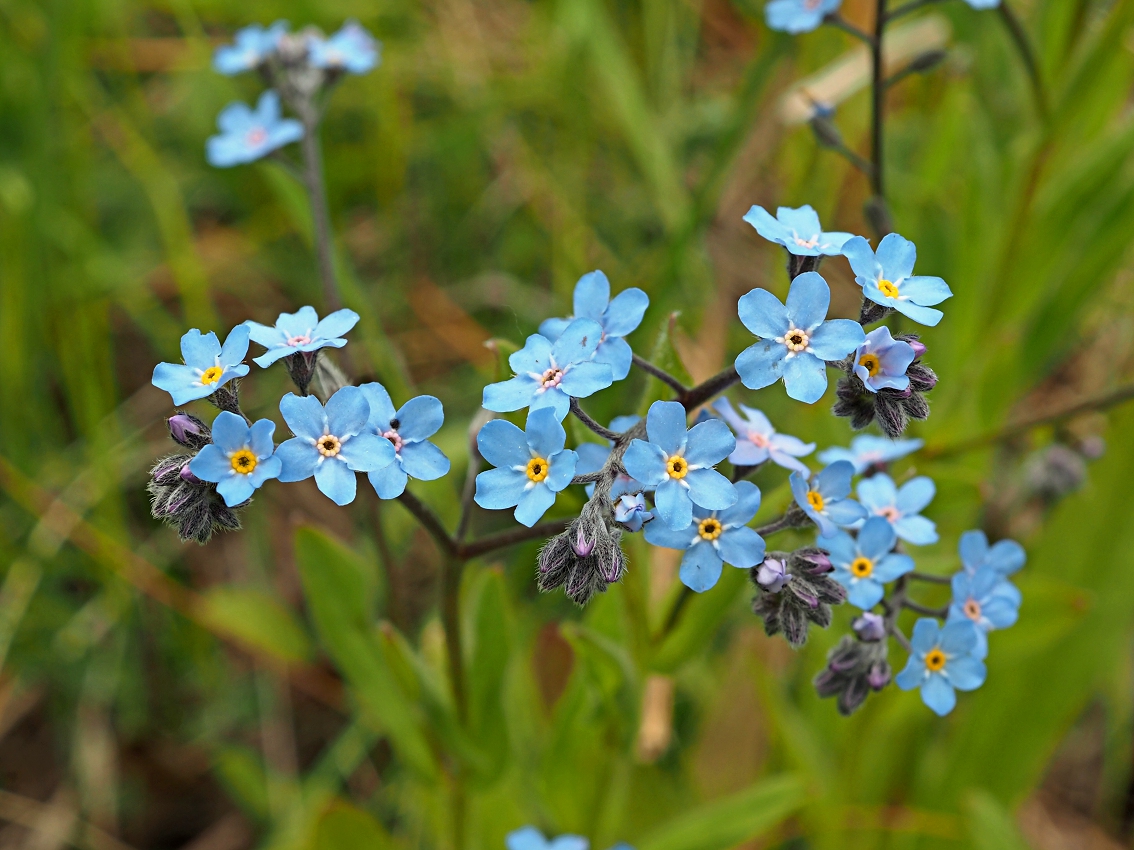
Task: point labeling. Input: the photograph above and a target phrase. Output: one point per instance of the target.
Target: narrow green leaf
(346, 827)
(990, 824)
(258, 619)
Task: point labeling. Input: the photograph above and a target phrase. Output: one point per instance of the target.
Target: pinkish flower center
(257, 136)
(891, 513)
(302, 339)
(811, 6)
(814, 240)
(551, 378)
(972, 609)
(758, 439)
(394, 438)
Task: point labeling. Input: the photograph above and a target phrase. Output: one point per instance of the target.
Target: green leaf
(990, 824)
(486, 667)
(346, 827)
(259, 620)
(242, 773)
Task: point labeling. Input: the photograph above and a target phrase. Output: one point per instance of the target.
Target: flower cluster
(798, 16)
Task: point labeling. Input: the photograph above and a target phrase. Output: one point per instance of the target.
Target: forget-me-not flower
(987, 600)
(901, 506)
(796, 16)
(865, 564)
(252, 46)
(618, 317)
(208, 366)
(887, 278)
(881, 361)
(331, 442)
(757, 441)
(825, 500)
(247, 135)
(678, 464)
(408, 429)
(867, 451)
(798, 230)
(300, 331)
(1004, 557)
(592, 458)
(239, 459)
(530, 838)
(714, 538)
(351, 49)
(794, 340)
(983, 4)
(551, 374)
(942, 659)
(631, 511)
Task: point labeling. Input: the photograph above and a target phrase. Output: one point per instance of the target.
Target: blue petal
(762, 364)
(180, 382)
(347, 411)
(747, 504)
(749, 454)
(569, 842)
(665, 426)
(973, 549)
(616, 353)
(741, 547)
(260, 438)
(236, 489)
(700, 568)
(897, 256)
(230, 433)
(545, 434)
(966, 674)
(423, 461)
(592, 457)
(799, 488)
(835, 339)
(805, 377)
(211, 464)
(864, 593)
(555, 399)
(509, 395)
(845, 512)
(708, 443)
(763, 314)
(625, 312)
(646, 462)
(552, 329)
(268, 337)
(958, 638)
(842, 549)
(893, 566)
(526, 838)
(922, 315)
(500, 488)
(304, 415)
(1000, 612)
(298, 456)
(916, 530)
(1006, 557)
(336, 324)
(336, 481)
(200, 351)
(938, 695)
(709, 489)
(584, 379)
(915, 495)
(876, 538)
(803, 220)
(926, 634)
(861, 257)
(659, 534)
(420, 418)
(912, 676)
(235, 346)
(503, 444)
(808, 299)
(673, 504)
(367, 452)
(381, 406)
(577, 343)
(592, 294)
(535, 356)
(534, 504)
(267, 468)
(834, 481)
(561, 469)
(877, 492)
(390, 482)
(300, 323)
(768, 227)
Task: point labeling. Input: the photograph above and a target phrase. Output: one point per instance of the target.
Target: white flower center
(796, 340)
(329, 445)
(814, 240)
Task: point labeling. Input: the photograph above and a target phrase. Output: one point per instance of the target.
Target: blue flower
(796, 16)
(631, 511)
(531, 465)
(239, 459)
(714, 538)
(864, 565)
(942, 659)
(757, 441)
(1004, 557)
(867, 452)
(901, 506)
(530, 838)
(592, 458)
(247, 135)
(351, 49)
(798, 230)
(794, 342)
(825, 498)
(679, 464)
(253, 45)
(881, 361)
(331, 443)
(208, 366)
(617, 318)
(986, 600)
(408, 430)
(887, 278)
(300, 331)
(983, 4)
(550, 375)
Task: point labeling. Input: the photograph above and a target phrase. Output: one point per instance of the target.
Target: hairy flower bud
(854, 669)
(772, 575)
(189, 431)
(301, 368)
(803, 597)
(810, 560)
(869, 627)
(182, 500)
(584, 559)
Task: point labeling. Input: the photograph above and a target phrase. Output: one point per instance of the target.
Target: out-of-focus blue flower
(300, 331)
(881, 361)
(714, 538)
(239, 459)
(796, 16)
(208, 366)
(331, 442)
(1004, 557)
(551, 374)
(592, 458)
(408, 429)
(983, 4)
(864, 565)
(942, 659)
(825, 500)
(887, 278)
(530, 838)
(867, 451)
(617, 317)
(631, 511)
(252, 46)
(351, 49)
(757, 441)
(531, 465)
(678, 464)
(247, 135)
(985, 599)
(794, 340)
(901, 506)
(798, 230)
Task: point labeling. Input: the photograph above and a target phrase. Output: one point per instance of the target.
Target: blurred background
(286, 686)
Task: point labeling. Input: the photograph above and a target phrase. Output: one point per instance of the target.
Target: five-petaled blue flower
(864, 565)
(901, 506)
(252, 46)
(631, 511)
(983, 4)
(757, 441)
(870, 452)
(331, 442)
(714, 538)
(207, 367)
(351, 49)
(300, 331)
(530, 838)
(246, 135)
(794, 341)
(985, 599)
(531, 465)
(798, 230)
(678, 464)
(239, 459)
(1004, 557)
(592, 458)
(551, 374)
(796, 16)
(618, 317)
(942, 659)
(881, 361)
(825, 500)
(887, 278)
(408, 429)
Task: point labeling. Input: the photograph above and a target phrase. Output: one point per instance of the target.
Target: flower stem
(586, 419)
(911, 6)
(500, 540)
(940, 613)
(705, 390)
(932, 579)
(313, 181)
(839, 22)
(659, 373)
(878, 102)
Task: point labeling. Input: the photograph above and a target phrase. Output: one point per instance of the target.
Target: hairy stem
(932, 579)
(429, 521)
(941, 612)
(586, 419)
(705, 390)
(660, 374)
(839, 22)
(500, 540)
(320, 217)
(878, 102)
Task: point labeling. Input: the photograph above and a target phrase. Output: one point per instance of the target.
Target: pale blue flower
(239, 459)
(864, 565)
(881, 361)
(530, 838)
(251, 48)
(887, 278)
(631, 511)
(208, 366)
(798, 230)
(987, 600)
(901, 507)
(300, 331)
(869, 452)
(757, 441)
(247, 135)
(1004, 557)
(408, 429)
(351, 49)
(942, 659)
(983, 4)
(796, 16)
(825, 500)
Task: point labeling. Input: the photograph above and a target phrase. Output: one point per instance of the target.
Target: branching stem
(660, 374)
(586, 419)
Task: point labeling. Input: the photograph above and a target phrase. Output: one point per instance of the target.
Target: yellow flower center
(870, 363)
(972, 609)
(677, 467)
(537, 469)
(796, 340)
(329, 445)
(211, 375)
(935, 660)
(815, 499)
(243, 461)
(710, 529)
(862, 567)
(890, 290)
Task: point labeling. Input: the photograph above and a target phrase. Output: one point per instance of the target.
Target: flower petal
(864, 593)
(897, 256)
(659, 534)
(534, 504)
(762, 364)
(912, 676)
(545, 434)
(709, 489)
(927, 316)
(808, 300)
(381, 406)
(973, 549)
(260, 438)
(230, 432)
(915, 495)
(741, 547)
(958, 638)
(835, 339)
(926, 634)
(304, 415)
(673, 504)
(616, 353)
(577, 343)
(561, 469)
(645, 462)
(877, 492)
(235, 489)
(497, 489)
(845, 512)
(200, 351)
(916, 530)
(708, 443)
(584, 379)
(938, 694)
(665, 426)
(420, 418)
(266, 336)
(592, 294)
(211, 464)
(555, 400)
(876, 538)
(300, 323)
(700, 568)
(1006, 557)
(966, 674)
(336, 324)
(235, 346)
(298, 456)
(767, 226)
(390, 481)
(535, 356)
(747, 504)
(763, 314)
(506, 396)
(347, 412)
(893, 566)
(423, 461)
(625, 312)
(367, 452)
(861, 257)
(336, 481)
(805, 377)
(552, 329)
(834, 481)
(503, 444)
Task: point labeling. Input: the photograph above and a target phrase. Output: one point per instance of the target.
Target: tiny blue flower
(253, 45)
(942, 659)
(679, 464)
(901, 506)
(825, 498)
(887, 278)
(617, 318)
(631, 511)
(247, 135)
(530, 838)
(881, 361)
(757, 441)
(408, 429)
(351, 49)
(796, 16)
(208, 366)
(865, 564)
(794, 342)
(300, 331)
(869, 452)
(550, 375)
(983, 4)
(1004, 557)
(714, 538)
(798, 230)
(987, 600)
(592, 458)
(331, 442)
(531, 465)
(239, 459)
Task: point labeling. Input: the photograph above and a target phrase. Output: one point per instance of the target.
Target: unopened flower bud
(579, 543)
(188, 430)
(878, 676)
(810, 560)
(918, 347)
(772, 575)
(869, 627)
(188, 477)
